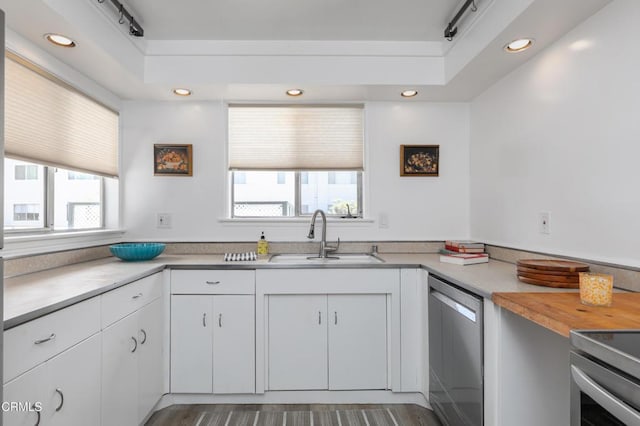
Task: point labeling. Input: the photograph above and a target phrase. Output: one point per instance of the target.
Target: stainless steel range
(605, 377)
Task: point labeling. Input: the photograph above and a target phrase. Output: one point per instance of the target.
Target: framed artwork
(172, 160)
(419, 160)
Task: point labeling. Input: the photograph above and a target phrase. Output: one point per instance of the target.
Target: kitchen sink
(309, 259)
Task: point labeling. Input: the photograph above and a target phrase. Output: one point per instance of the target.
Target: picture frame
(172, 160)
(419, 160)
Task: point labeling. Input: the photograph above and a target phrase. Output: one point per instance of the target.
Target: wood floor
(294, 415)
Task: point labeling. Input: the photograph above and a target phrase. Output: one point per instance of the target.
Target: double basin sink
(335, 259)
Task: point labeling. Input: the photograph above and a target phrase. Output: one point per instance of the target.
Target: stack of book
(463, 252)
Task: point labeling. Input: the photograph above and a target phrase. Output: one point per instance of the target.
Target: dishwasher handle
(462, 309)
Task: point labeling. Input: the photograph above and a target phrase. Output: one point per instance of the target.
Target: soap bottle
(263, 246)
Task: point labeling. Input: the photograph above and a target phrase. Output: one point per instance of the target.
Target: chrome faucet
(324, 248)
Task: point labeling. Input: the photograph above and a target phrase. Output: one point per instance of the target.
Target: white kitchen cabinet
(413, 328)
(299, 346)
(27, 390)
(67, 386)
(297, 342)
(120, 372)
(150, 357)
(212, 344)
(132, 357)
(234, 360)
(335, 342)
(36, 341)
(73, 396)
(191, 344)
(357, 341)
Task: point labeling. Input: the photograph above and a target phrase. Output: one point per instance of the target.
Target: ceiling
(252, 50)
(398, 20)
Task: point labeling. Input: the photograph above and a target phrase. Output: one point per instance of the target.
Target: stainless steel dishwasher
(455, 354)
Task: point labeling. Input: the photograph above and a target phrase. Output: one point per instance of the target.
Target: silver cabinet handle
(319, 317)
(220, 320)
(213, 282)
(33, 407)
(144, 336)
(59, 407)
(137, 296)
(335, 317)
(45, 340)
(135, 344)
(204, 319)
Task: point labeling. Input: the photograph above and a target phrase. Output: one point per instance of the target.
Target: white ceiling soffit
(234, 67)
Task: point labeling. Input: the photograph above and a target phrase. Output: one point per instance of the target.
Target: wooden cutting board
(554, 265)
(551, 278)
(546, 283)
(546, 272)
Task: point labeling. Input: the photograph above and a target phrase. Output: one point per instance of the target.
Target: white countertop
(30, 296)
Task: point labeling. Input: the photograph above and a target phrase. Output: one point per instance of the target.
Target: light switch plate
(163, 220)
(544, 225)
(383, 221)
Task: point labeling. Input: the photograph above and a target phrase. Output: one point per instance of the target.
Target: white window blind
(270, 137)
(49, 122)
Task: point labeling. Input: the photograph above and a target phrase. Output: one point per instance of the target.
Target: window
(26, 212)
(67, 144)
(282, 178)
(26, 172)
(334, 197)
(263, 195)
(81, 176)
(77, 198)
(288, 161)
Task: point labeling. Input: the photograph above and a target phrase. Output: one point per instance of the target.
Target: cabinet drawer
(122, 301)
(36, 341)
(212, 282)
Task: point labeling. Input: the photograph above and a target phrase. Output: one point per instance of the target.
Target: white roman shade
(310, 137)
(49, 122)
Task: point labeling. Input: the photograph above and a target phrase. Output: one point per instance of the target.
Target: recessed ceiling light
(519, 45)
(60, 40)
(409, 93)
(182, 92)
(295, 92)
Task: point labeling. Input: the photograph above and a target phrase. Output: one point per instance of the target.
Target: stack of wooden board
(550, 272)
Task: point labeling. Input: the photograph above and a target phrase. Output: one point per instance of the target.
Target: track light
(134, 28)
(451, 30)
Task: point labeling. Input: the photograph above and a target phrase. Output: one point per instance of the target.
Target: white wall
(562, 134)
(425, 208)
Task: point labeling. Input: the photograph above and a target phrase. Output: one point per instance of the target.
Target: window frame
(48, 209)
(298, 198)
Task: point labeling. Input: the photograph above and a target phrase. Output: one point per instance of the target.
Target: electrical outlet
(163, 220)
(544, 225)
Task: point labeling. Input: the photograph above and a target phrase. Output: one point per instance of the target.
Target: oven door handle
(605, 399)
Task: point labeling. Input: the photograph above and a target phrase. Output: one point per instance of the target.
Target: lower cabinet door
(150, 359)
(120, 372)
(26, 395)
(73, 395)
(234, 344)
(192, 344)
(357, 341)
(297, 347)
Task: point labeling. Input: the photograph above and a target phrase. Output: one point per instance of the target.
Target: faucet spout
(324, 248)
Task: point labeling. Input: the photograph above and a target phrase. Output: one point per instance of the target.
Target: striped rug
(364, 417)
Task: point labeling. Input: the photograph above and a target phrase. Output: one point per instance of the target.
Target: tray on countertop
(551, 272)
